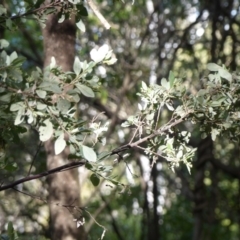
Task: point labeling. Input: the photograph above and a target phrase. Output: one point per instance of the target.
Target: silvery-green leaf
(41, 93)
(63, 105)
(41, 106)
(16, 106)
(169, 106)
(144, 86)
(59, 144)
(85, 90)
(4, 43)
(53, 63)
(213, 67)
(89, 154)
(77, 66)
(20, 116)
(81, 26)
(111, 61)
(165, 83)
(46, 131)
(225, 74)
(62, 18)
(13, 56)
(214, 133)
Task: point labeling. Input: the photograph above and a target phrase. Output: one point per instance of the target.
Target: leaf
(88, 166)
(20, 116)
(144, 86)
(214, 133)
(125, 124)
(13, 56)
(61, 19)
(111, 61)
(225, 74)
(52, 63)
(103, 155)
(170, 107)
(82, 10)
(74, 1)
(86, 91)
(59, 144)
(77, 66)
(165, 83)
(4, 43)
(140, 106)
(10, 230)
(41, 93)
(10, 167)
(95, 179)
(50, 86)
(3, 10)
(81, 26)
(9, 23)
(5, 98)
(12, 235)
(41, 106)
(89, 153)
(213, 67)
(150, 116)
(179, 154)
(63, 105)
(46, 131)
(16, 106)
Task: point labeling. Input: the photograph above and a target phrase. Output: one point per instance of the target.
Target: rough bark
(59, 41)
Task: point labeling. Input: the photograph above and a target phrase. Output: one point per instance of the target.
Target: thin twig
(98, 14)
(104, 229)
(33, 11)
(34, 157)
(173, 122)
(134, 134)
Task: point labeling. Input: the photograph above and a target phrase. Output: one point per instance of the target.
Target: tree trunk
(59, 41)
(204, 153)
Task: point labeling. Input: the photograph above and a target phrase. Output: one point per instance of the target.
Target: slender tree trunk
(59, 42)
(155, 218)
(204, 153)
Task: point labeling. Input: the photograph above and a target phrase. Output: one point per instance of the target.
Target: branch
(33, 11)
(98, 14)
(43, 174)
(173, 122)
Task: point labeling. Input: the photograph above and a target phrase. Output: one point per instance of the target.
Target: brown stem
(43, 174)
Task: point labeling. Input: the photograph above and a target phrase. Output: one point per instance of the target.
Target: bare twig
(34, 157)
(98, 14)
(33, 11)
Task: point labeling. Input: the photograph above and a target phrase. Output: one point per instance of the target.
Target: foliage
(46, 101)
(43, 102)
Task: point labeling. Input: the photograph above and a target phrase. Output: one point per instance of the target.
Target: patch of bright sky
(146, 168)
(234, 13)
(150, 6)
(129, 174)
